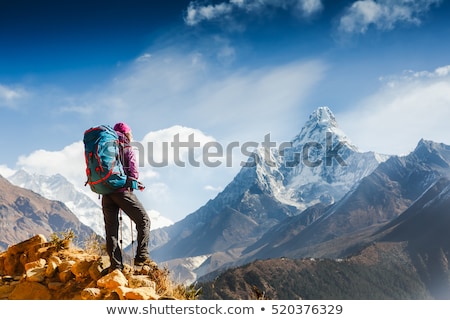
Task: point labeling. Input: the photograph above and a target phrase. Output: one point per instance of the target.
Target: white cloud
(173, 146)
(9, 96)
(383, 14)
(144, 57)
(188, 90)
(310, 6)
(6, 172)
(196, 12)
(405, 110)
(68, 162)
(180, 171)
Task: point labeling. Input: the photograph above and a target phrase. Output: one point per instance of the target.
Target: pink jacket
(128, 158)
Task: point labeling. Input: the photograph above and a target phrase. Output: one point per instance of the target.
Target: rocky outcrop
(37, 269)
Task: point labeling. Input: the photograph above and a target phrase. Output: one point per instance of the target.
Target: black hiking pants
(130, 204)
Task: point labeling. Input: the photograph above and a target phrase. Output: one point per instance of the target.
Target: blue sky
(231, 70)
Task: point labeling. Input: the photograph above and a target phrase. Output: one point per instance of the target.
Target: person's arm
(132, 169)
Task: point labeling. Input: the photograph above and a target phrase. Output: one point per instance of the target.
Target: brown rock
(54, 285)
(30, 291)
(27, 244)
(36, 274)
(65, 276)
(5, 291)
(33, 270)
(81, 269)
(137, 281)
(35, 264)
(52, 265)
(98, 266)
(91, 294)
(113, 280)
(142, 293)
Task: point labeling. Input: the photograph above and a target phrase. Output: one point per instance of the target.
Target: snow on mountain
(184, 268)
(88, 211)
(320, 164)
(57, 187)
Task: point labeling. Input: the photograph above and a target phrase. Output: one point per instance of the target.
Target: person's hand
(140, 186)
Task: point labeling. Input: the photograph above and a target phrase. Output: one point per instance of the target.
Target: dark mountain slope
(425, 226)
(380, 272)
(24, 213)
(406, 258)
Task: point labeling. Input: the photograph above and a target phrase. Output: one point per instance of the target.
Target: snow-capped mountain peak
(322, 115)
(321, 164)
(321, 125)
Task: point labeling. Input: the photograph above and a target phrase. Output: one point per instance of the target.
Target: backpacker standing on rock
(125, 199)
(116, 184)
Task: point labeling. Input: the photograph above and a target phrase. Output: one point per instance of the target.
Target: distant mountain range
(339, 223)
(395, 219)
(88, 211)
(57, 187)
(317, 169)
(329, 202)
(380, 198)
(24, 213)
(405, 258)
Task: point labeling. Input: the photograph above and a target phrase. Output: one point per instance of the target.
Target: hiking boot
(146, 262)
(107, 271)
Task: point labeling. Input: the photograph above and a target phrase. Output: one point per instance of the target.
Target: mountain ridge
(321, 198)
(270, 191)
(407, 258)
(378, 199)
(24, 213)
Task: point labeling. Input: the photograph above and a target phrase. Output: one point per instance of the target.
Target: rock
(55, 285)
(95, 271)
(30, 291)
(26, 245)
(65, 276)
(35, 264)
(136, 281)
(34, 269)
(19, 254)
(5, 291)
(91, 294)
(121, 291)
(36, 274)
(52, 265)
(113, 280)
(81, 269)
(142, 293)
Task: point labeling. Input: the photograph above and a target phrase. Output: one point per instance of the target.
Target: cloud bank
(198, 12)
(407, 108)
(383, 14)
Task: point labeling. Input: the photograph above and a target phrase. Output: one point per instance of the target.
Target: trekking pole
(121, 230)
(132, 241)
